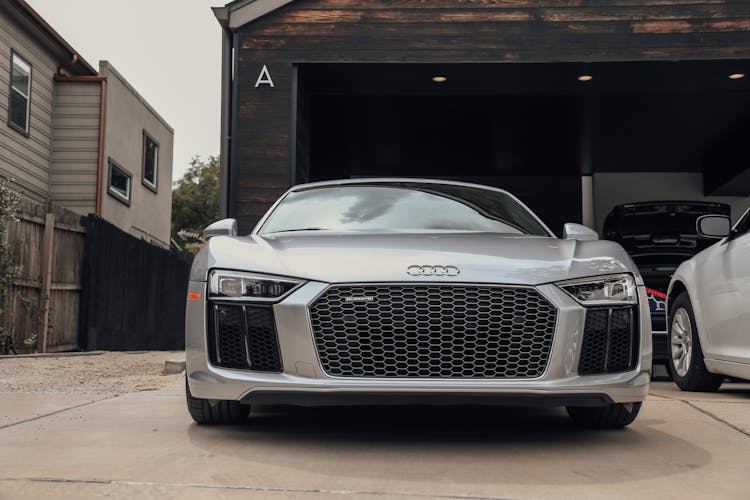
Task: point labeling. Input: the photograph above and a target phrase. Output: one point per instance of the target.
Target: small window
(20, 93)
(150, 161)
(119, 182)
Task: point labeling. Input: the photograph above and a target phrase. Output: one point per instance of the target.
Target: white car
(709, 309)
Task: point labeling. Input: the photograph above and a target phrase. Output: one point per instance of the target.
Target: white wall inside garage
(612, 189)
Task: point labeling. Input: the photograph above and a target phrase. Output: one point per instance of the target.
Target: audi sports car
(406, 291)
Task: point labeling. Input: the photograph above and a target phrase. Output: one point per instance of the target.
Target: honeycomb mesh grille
(594, 351)
(245, 338)
(433, 331)
(232, 352)
(609, 342)
(620, 355)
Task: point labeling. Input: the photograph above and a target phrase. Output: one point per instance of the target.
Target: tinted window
(402, 207)
(658, 218)
(743, 226)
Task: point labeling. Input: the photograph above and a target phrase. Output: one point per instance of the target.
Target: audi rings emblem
(433, 271)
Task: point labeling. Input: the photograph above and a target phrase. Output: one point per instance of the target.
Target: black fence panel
(133, 294)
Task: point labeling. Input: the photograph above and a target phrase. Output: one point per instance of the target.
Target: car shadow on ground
(489, 443)
(414, 424)
(736, 388)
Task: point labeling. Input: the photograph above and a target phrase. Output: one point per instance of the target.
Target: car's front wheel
(215, 412)
(685, 362)
(613, 416)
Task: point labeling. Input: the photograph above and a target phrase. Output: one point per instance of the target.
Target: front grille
(433, 331)
(609, 341)
(243, 337)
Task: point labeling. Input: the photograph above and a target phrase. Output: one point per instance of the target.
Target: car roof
(669, 203)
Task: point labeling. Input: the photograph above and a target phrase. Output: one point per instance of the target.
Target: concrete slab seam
(312, 491)
(718, 419)
(651, 394)
(39, 417)
(51, 355)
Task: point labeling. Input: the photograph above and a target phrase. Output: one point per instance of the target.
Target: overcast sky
(169, 50)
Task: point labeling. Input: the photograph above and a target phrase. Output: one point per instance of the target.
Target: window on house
(20, 93)
(119, 182)
(150, 161)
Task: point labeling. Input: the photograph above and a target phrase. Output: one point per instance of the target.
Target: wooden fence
(133, 292)
(47, 243)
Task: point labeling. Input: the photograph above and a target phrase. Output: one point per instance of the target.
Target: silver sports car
(406, 291)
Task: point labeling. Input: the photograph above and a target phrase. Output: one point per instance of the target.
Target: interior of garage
(571, 140)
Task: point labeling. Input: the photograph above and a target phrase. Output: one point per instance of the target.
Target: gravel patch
(109, 373)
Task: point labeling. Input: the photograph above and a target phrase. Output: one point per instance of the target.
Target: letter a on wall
(264, 78)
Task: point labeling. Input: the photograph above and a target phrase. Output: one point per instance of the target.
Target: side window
(119, 182)
(150, 162)
(19, 98)
(743, 226)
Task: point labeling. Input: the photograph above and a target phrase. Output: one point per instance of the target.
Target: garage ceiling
(631, 116)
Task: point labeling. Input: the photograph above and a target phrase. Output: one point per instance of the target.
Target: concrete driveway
(144, 445)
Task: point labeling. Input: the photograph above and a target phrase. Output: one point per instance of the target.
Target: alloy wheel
(682, 341)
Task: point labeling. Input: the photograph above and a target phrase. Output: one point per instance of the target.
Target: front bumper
(303, 382)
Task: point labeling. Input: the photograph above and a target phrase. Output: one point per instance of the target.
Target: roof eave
(241, 12)
(56, 37)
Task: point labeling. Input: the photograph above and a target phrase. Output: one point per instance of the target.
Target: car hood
(356, 257)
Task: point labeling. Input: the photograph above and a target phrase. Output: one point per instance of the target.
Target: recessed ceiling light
(736, 76)
(585, 78)
(439, 79)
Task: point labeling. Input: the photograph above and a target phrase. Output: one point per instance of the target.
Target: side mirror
(713, 226)
(224, 227)
(579, 232)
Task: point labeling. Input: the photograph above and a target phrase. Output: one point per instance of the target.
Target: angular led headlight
(611, 289)
(233, 285)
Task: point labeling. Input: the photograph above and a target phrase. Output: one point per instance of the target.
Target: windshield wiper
(301, 229)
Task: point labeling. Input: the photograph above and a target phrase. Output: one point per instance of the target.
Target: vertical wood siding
(448, 31)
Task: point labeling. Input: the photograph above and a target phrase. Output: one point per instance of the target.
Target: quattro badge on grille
(432, 271)
(359, 298)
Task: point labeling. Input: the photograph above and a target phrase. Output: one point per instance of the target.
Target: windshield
(401, 207)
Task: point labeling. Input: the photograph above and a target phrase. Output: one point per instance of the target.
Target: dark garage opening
(533, 129)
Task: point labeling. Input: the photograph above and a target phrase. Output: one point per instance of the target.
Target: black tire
(216, 412)
(614, 416)
(697, 378)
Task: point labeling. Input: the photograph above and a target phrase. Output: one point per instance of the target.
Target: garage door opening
(537, 130)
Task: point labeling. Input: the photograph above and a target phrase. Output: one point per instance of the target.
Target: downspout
(100, 164)
(70, 64)
(227, 77)
(102, 120)
(227, 91)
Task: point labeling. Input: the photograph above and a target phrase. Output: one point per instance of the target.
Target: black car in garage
(659, 236)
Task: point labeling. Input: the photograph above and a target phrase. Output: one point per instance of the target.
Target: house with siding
(80, 137)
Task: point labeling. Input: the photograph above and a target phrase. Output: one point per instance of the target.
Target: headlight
(261, 287)
(615, 288)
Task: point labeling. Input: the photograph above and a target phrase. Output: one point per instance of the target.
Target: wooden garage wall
(447, 31)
